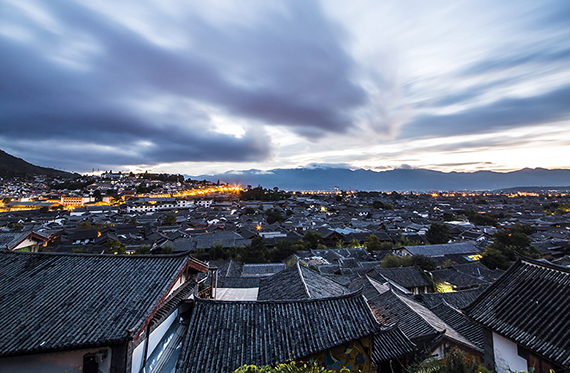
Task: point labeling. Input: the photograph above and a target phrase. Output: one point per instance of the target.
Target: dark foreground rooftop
(54, 302)
(223, 336)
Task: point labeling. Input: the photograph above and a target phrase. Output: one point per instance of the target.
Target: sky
(205, 87)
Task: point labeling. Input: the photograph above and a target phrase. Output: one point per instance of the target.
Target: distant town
(409, 278)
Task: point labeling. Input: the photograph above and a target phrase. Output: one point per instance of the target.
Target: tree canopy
(502, 252)
(438, 233)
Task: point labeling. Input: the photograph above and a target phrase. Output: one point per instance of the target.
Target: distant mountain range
(325, 178)
(11, 166)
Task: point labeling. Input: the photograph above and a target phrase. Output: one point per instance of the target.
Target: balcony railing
(207, 293)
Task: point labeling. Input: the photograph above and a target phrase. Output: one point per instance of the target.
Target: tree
(281, 251)
(372, 243)
(289, 367)
(312, 241)
(97, 195)
(144, 249)
(524, 228)
(248, 211)
(354, 243)
(448, 216)
(382, 205)
(377, 204)
(273, 216)
(115, 247)
(85, 224)
(494, 258)
(393, 261)
(255, 252)
(505, 245)
(424, 262)
(169, 219)
(438, 233)
(217, 252)
(405, 241)
(480, 219)
(15, 227)
(453, 362)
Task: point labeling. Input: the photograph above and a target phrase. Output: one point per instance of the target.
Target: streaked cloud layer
(194, 88)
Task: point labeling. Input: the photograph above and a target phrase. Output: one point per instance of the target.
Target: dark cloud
(287, 68)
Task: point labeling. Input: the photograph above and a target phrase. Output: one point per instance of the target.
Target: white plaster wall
(52, 363)
(27, 242)
(506, 355)
(155, 337)
(136, 359)
(181, 280)
(159, 332)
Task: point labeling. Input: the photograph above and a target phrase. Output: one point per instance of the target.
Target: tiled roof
(456, 278)
(390, 309)
(457, 299)
(223, 336)
(9, 239)
(466, 327)
(261, 270)
(415, 320)
(407, 277)
(238, 282)
(391, 343)
(529, 305)
(53, 302)
(442, 249)
(298, 282)
(479, 270)
(371, 288)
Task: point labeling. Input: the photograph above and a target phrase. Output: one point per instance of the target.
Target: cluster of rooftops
(155, 313)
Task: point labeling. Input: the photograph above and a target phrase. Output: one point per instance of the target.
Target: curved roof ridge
(303, 279)
(354, 294)
(179, 255)
(453, 335)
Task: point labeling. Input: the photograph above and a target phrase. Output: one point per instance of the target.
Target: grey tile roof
(466, 327)
(238, 282)
(457, 299)
(298, 282)
(390, 309)
(529, 305)
(53, 302)
(443, 249)
(223, 336)
(479, 270)
(415, 320)
(10, 239)
(262, 270)
(456, 278)
(407, 277)
(371, 288)
(391, 343)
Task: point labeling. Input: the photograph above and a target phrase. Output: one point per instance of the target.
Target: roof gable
(54, 302)
(529, 305)
(298, 282)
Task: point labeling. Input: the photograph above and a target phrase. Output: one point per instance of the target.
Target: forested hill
(11, 167)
